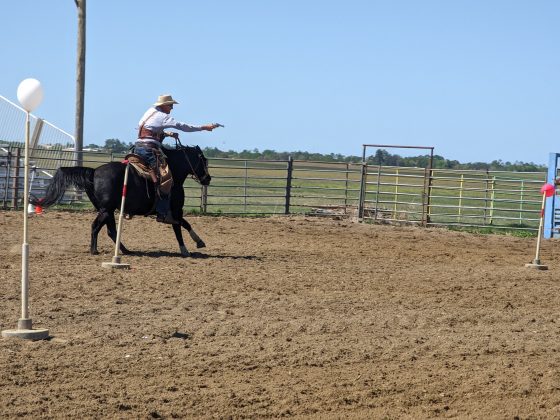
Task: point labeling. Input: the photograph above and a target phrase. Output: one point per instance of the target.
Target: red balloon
(548, 190)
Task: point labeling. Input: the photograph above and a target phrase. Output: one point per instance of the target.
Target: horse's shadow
(195, 255)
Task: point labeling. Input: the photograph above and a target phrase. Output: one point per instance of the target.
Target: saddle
(164, 174)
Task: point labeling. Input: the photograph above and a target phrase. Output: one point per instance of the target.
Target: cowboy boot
(163, 211)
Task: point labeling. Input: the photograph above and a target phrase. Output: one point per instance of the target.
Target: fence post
(429, 174)
(15, 184)
(377, 192)
(492, 197)
(362, 200)
(289, 184)
(204, 199)
(396, 194)
(36, 133)
(461, 186)
(521, 204)
(245, 188)
(486, 196)
(346, 188)
(7, 181)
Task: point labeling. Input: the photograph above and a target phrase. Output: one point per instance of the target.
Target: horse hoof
(184, 252)
(94, 252)
(200, 244)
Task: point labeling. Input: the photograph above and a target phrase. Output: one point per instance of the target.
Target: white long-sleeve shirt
(157, 121)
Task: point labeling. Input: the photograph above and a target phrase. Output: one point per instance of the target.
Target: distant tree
(116, 146)
(381, 157)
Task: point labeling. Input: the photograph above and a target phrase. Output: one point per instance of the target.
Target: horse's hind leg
(199, 242)
(112, 231)
(96, 226)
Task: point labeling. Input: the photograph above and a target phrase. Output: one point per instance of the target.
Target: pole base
(537, 266)
(116, 263)
(38, 334)
(118, 266)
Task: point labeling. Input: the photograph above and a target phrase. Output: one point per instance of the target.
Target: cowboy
(150, 137)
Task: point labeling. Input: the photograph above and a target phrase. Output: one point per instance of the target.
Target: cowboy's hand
(210, 127)
(172, 134)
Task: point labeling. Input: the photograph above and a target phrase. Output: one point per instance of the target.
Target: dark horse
(104, 186)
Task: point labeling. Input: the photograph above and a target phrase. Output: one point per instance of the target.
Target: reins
(179, 146)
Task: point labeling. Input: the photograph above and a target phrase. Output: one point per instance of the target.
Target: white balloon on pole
(30, 94)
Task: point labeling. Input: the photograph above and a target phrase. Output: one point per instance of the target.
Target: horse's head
(197, 164)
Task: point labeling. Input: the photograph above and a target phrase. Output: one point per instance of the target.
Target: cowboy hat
(165, 100)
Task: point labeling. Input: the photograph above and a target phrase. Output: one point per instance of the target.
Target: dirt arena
(280, 317)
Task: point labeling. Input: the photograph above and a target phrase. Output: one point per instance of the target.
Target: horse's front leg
(199, 242)
(112, 231)
(179, 235)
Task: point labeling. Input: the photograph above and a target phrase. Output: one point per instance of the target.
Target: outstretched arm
(210, 127)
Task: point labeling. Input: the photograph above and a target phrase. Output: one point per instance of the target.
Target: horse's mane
(179, 147)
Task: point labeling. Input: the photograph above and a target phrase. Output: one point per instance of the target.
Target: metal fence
(370, 192)
(499, 199)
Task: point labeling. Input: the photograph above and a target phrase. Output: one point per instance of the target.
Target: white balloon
(30, 94)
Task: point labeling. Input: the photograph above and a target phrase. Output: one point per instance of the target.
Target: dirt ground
(283, 316)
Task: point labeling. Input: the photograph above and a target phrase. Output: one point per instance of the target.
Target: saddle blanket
(166, 181)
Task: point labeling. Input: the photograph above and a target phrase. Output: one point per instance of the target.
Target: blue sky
(477, 79)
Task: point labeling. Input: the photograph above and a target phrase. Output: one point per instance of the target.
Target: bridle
(201, 161)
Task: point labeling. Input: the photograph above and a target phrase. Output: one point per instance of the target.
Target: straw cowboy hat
(165, 100)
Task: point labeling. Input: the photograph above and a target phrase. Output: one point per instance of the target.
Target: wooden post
(80, 80)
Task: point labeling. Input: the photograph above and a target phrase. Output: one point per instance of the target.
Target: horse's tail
(77, 176)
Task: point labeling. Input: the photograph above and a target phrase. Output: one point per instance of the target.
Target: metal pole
(289, 184)
(362, 185)
(428, 189)
(521, 204)
(460, 197)
(378, 186)
(346, 189)
(396, 195)
(245, 188)
(486, 196)
(492, 197)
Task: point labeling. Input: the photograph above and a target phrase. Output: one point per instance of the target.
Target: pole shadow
(194, 254)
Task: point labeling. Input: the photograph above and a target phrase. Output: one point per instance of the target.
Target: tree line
(381, 157)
